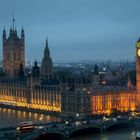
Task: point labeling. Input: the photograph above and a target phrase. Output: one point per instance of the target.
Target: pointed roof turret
(22, 33)
(36, 70)
(4, 33)
(35, 63)
(22, 30)
(11, 32)
(21, 72)
(11, 29)
(13, 22)
(138, 40)
(46, 41)
(15, 31)
(46, 51)
(96, 71)
(129, 83)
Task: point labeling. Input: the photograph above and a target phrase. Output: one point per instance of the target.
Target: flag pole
(13, 21)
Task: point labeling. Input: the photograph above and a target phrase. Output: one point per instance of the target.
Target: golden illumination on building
(122, 101)
(41, 100)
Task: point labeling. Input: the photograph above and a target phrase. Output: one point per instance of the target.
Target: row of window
(9, 56)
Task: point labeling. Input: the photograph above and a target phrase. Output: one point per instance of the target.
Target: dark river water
(9, 117)
(121, 134)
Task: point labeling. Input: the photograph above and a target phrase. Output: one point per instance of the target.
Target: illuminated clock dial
(138, 44)
(138, 52)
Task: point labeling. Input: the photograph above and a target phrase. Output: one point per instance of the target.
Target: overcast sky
(76, 29)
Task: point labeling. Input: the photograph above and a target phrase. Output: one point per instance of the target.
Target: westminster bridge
(66, 130)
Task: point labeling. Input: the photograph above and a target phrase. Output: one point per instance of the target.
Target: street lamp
(66, 122)
(77, 123)
(77, 115)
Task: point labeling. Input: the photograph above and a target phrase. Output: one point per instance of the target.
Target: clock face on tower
(138, 44)
(138, 52)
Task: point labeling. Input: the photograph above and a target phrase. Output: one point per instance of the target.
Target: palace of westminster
(42, 90)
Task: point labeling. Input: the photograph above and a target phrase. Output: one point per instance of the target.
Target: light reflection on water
(9, 117)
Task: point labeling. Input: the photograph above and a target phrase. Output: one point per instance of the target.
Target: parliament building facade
(39, 91)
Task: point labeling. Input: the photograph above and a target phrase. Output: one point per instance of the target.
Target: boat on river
(27, 126)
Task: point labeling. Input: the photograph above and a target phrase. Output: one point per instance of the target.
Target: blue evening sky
(76, 29)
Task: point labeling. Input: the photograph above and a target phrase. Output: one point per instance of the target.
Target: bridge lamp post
(77, 123)
(66, 122)
(77, 115)
(104, 118)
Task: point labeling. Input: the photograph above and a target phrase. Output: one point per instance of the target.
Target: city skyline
(81, 30)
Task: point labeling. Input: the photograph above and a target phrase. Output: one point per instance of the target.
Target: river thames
(121, 134)
(9, 117)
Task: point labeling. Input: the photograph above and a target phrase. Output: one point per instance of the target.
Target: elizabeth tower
(138, 65)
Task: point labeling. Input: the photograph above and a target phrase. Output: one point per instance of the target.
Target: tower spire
(13, 21)
(4, 34)
(46, 42)
(47, 64)
(22, 33)
(47, 51)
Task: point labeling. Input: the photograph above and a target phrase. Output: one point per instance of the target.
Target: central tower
(13, 52)
(47, 64)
